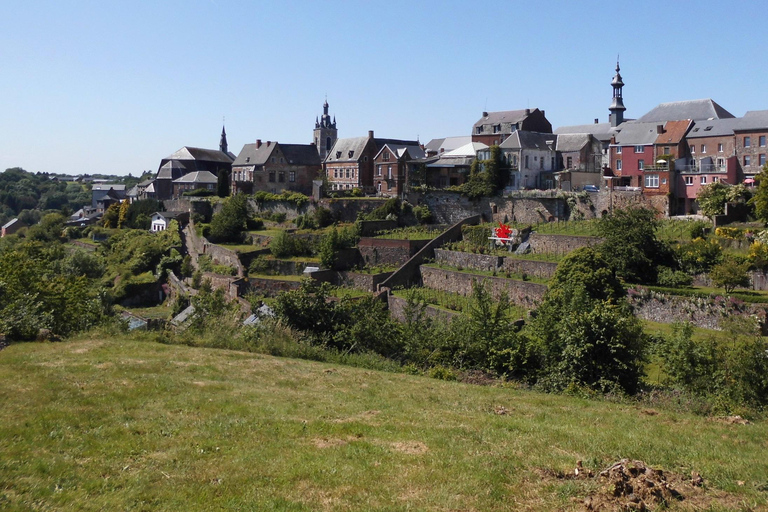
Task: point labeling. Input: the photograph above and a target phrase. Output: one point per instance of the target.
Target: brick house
(750, 134)
(493, 128)
(274, 167)
(451, 168)
(632, 148)
(390, 167)
(670, 149)
(349, 164)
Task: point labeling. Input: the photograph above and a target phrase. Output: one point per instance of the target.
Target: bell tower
(617, 105)
(325, 133)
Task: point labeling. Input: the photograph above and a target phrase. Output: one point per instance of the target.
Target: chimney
(258, 143)
(485, 114)
(544, 113)
(597, 120)
(370, 134)
(269, 142)
(527, 111)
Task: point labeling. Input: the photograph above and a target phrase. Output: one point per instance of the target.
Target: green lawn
(116, 424)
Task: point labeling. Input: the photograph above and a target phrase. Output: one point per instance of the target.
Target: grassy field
(117, 424)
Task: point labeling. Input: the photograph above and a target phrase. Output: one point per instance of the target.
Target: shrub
(673, 278)
(282, 245)
(698, 255)
(730, 274)
(423, 214)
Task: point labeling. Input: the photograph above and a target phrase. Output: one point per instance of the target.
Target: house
(349, 165)
(191, 159)
(104, 194)
(750, 136)
(532, 159)
(198, 180)
(145, 189)
(445, 145)
(632, 148)
(160, 220)
(274, 167)
(696, 110)
(493, 128)
(85, 216)
(580, 156)
(11, 227)
(391, 167)
(603, 132)
(451, 168)
(670, 150)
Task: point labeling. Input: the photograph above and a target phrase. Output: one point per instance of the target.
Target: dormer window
(247, 159)
(351, 152)
(338, 154)
(479, 129)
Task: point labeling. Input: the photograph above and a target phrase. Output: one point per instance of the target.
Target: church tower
(617, 105)
(223, 141)
(325, 133)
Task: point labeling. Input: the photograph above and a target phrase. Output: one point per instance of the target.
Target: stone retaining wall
(534, 268)
(560, 244)
(522, 293)
(397, 310)
(380, 251)
(489, 263)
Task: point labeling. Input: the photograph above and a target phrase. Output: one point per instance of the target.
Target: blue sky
(114, 86)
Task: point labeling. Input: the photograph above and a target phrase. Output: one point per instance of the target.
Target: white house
(160, 220)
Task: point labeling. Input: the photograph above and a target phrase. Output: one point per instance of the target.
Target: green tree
(584, 330)
(329, 246)
(760, 197)
(712, 198)
(630, 245)
(123, 214)
(730, 274)
(229, 224)
(222, 183)
(111, 216)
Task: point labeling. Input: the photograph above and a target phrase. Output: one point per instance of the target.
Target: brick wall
(522, 293)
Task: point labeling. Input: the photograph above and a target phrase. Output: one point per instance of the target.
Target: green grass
(453, 302)
(242, 248)
(277, 278)
(155, 312)
(117, 424)
(411, 233)
(500, 274)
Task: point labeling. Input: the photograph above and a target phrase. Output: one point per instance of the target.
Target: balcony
(702, 169)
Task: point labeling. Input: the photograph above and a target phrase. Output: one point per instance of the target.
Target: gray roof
(522, 139)
(133, 192)
(753, 120)
(197, 177)
(635, 133)
(434, 145)
(691, 109)
(170, 215)
(414, 152)
(713, 128)
(255, 154)
(601, 131)
(107, 186)
(9, 223)
(171, 170)
(207, 155)
(450, 161)
(447, 144)
(504, 116)
(343, 147)
(570, 142)
(301, 154)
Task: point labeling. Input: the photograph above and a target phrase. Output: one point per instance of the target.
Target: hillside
(107, 424)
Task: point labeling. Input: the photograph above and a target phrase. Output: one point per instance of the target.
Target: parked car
(591, 188)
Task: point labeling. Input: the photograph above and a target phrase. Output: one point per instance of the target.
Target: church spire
(223, 141)
(617, 107)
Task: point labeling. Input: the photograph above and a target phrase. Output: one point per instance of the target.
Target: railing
(701, 168)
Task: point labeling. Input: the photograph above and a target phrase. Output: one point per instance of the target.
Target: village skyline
(114, 89)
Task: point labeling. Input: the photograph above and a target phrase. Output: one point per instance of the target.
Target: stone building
(325, 133)
(493, 128)
(274, 167)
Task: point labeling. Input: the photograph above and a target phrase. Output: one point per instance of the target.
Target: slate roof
(753, 120)
(399, 150)
(674, 131)
(301, 154)
(208, 155)
(170, 215)
(342, 147)
(469, 150)
(171, 170)
(713, 128)
(636, 133)
(521, 139)
(197, 177)
(253, 155)
(690, 109)
(572, 142)
(504, 116)
(106, 186)
(447, 143)
(434, 145)
(601, 131)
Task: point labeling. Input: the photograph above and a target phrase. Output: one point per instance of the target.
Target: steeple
(325, 132)
(223, 141)
(617, 105)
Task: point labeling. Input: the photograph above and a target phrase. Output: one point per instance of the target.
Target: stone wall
(270, 287)
(356, 280)
(397, 310)
(542, 269)
(560, 244)
(372, 227)
(534, 268)
(707, 313)
(197, 245)
(522, 293)
(379, 251)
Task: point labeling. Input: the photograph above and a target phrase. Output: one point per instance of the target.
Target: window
(618, 150)
(652, 181)
(478, 130)
(281, 177)
(693, 149)
(386, 156)
(688, 181)
(663, 181)
(389, 172)
(541, 163)
(350, 153)
(703, 148)
(641, 166)
(271, 176)
(747, 142)
(496, 128)
(247, 159)
(703, 180)
(618, 165)
(282, 160)
(747, 160)
(568, 161)
(761, 141)
(378, 170)
(526, 161)
(666, 150)
(720, 147)
(639, 149)
(338, 154)
(761, 159)
(292, 176)
(347, 173)
(328, 144)
(273, 159)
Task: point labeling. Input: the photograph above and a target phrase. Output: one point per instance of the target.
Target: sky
(113, 87)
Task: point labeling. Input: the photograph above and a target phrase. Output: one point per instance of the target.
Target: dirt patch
(325, 442)
(633, 485)
(410, 447)
(731, 420)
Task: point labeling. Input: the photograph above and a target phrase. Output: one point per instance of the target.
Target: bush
(423, 214)
(199, 192)
(730, 274)
(229, 224)
(673, 278)
(698, 229)
(282, 245)
(259, 265)
(698, 255)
